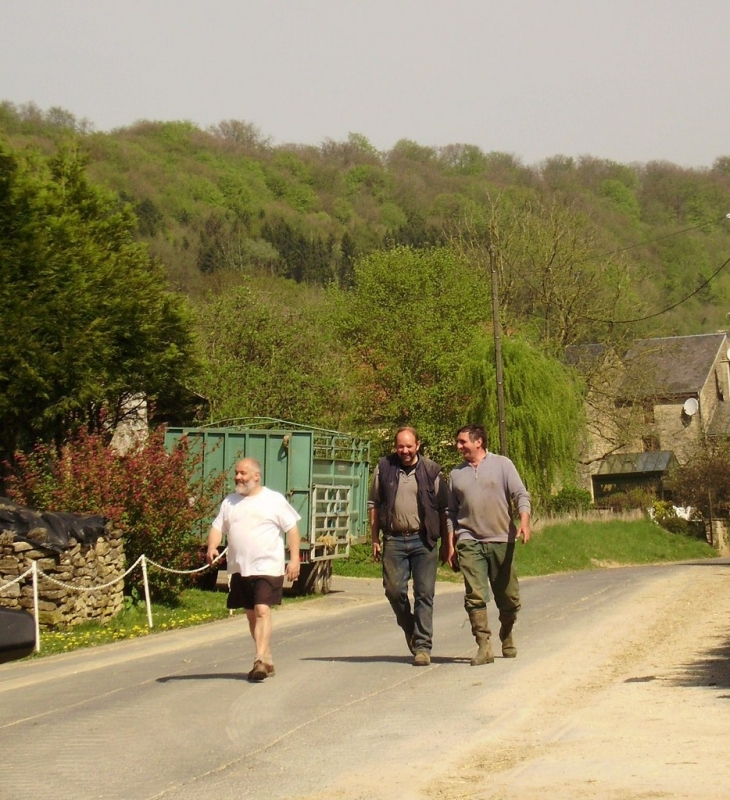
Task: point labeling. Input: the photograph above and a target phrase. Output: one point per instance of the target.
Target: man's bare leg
(259, 623)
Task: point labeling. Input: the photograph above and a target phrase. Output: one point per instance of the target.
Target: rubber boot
(507, 621)
(480, 629)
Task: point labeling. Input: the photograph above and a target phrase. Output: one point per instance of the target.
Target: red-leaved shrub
(154, 496)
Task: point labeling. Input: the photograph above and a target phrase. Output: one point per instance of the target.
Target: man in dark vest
(407, 503)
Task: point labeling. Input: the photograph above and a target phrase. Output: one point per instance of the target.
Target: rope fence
(35, 572)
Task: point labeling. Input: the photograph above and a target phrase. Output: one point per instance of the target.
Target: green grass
(583, 545)
(559, 548)
(570, 547)
(193, 608)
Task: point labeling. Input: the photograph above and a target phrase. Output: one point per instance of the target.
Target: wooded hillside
(315, 275)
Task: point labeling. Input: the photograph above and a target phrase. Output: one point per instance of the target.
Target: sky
(628, 80)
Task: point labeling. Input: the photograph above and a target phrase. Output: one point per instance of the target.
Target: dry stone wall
(80, 567)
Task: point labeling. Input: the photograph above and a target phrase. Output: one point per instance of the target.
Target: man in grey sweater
(485, 494)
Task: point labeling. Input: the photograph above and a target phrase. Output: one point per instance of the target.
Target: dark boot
(480, 629)
(507, 621)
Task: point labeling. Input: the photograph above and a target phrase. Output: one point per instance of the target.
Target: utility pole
(498, 351)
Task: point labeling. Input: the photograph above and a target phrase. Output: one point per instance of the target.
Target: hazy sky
(629, 80)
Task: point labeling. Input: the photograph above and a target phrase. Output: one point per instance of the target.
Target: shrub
(625, 501)
(665, 514)
(569, 499)
(150, 494)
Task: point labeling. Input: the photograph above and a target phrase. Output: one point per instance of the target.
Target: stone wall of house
(80, 567)
(676, 431)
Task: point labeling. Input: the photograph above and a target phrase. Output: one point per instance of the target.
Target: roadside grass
(194, 607)
(566, 547)
(570, 547)
(575, 546)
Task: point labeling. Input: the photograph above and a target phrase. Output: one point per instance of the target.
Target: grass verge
(194, 607)
(570, 547)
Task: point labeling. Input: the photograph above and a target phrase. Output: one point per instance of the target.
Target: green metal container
(322, 473)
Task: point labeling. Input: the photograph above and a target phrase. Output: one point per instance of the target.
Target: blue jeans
(405, 557)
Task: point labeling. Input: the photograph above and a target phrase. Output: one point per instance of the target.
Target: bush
(665, 514)
(626, 501)
(569, 499)
(150, 494)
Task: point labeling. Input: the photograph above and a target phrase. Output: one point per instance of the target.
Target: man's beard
(246, 487)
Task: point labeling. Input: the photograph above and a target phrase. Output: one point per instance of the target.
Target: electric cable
(642, 244)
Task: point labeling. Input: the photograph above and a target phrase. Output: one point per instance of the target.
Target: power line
(660, 238)
(643, 244)
(663, 311)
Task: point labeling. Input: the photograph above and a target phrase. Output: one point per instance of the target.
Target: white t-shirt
(254, 525)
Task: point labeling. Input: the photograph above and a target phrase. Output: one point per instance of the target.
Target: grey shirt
(484, 500)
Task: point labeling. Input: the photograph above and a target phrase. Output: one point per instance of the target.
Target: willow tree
(544, 410)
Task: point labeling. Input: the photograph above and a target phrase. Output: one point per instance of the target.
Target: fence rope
(89, 588)
(16, 580)
(36, 571)
(186, 571)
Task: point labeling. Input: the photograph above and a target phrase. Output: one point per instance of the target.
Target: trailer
(322, 473)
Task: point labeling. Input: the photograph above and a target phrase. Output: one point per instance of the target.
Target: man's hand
(523, 532)
(211, 555)
(376, 549)
(447, 554)
(292, 569)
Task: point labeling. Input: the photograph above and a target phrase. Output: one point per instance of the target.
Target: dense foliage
(544, 410)
(86, 314)
(153, 496)
(334, 284)
(271, 357)
(227, 198)
(407, 326)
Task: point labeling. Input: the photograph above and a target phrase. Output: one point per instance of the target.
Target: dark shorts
(255, 590)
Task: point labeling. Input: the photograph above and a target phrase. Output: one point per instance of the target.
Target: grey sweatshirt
(483, 501)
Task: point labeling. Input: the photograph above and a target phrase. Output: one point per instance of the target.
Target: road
(621, 689)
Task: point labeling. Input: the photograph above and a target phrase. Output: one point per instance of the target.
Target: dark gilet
(428, 511)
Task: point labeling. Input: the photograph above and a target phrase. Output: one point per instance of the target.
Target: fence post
(34, 568)
(146, 591)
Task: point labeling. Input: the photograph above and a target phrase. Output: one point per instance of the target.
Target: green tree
(87, 318)
(543, 409)
(271, 359)
(407, 323)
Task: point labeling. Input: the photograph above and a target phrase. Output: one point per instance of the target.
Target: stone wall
(718, 535)
(80, 566)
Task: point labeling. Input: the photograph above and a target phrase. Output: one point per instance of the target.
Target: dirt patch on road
(637, 706)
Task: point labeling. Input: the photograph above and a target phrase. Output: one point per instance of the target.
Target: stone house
(652, 408)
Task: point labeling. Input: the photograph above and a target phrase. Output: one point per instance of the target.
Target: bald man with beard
(253, 518)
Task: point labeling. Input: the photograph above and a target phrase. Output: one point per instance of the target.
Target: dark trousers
(485, 565)
(406, 557)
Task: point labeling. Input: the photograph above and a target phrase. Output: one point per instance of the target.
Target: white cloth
(254, 526)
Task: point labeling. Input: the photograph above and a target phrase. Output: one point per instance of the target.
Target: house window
(649, 412)
(651, 444)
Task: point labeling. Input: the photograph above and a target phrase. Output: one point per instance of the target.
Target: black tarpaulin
(51, 529)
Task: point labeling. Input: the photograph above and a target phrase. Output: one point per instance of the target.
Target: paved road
(172, 716)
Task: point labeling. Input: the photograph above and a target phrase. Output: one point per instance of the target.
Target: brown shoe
(261, 670)
(421, 659)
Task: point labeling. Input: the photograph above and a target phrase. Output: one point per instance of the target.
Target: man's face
(407, 447)
(246, 478)
(468, 449)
